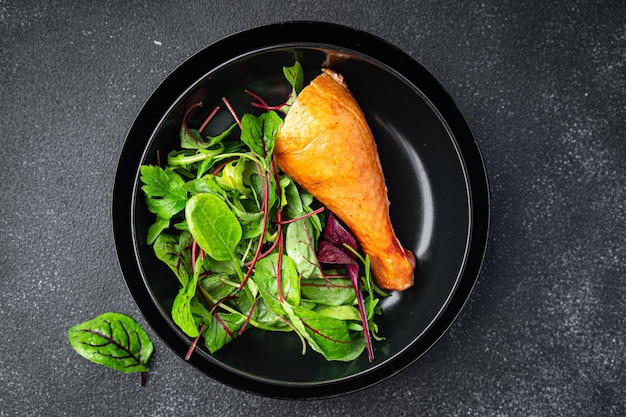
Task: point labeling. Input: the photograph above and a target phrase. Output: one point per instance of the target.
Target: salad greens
(114, 340)
(249, 246)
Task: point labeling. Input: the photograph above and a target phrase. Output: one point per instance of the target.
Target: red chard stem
(232, 112)
(208, 119)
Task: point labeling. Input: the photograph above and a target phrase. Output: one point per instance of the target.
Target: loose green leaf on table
(114, 340)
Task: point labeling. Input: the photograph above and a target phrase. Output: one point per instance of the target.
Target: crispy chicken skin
(326, 146)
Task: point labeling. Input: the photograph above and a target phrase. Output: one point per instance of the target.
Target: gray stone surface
(543, 86)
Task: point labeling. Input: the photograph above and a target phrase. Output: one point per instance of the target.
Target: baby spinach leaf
(358, 346)
(114, 340)
(266, 316)
(181, 309)
(213, 225)
(165, 195)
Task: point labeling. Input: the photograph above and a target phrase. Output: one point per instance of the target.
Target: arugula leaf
(192, 139)
(231, 178)
(114, 340)
(165, 195)
(189, 156)
(213, 225)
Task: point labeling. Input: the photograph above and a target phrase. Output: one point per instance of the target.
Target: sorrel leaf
(265, 276)
(328, 291)
(171, 250)
(191, 139)
(259, 132)
(326, 335)
(295, 77)
(213, 225)
(114, 340)
(223, 328)
(335, 233)
(300, 246)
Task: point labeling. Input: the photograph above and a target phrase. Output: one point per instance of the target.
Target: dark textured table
(543, 86)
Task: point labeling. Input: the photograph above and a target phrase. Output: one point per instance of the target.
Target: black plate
(433, 168)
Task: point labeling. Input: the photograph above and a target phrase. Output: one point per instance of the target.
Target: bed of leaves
(249, 246)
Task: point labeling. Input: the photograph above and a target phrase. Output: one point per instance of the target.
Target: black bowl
(433, 168)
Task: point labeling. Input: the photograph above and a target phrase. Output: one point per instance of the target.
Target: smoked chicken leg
(326, 146)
